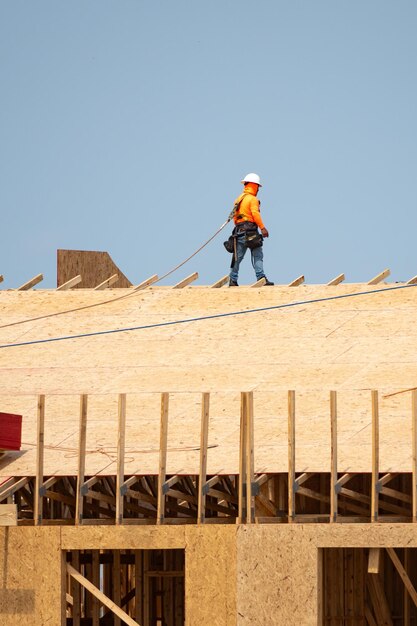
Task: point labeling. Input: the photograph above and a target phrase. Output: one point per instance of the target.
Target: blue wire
(205, 317)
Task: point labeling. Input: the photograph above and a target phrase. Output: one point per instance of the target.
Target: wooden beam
(30, 283)
(146, 283)
(121, 438)
(163, 441)
(70, 283)
(291, 456)
(8, 514)
(333, 456)
(297, 281)
(414, 453)
(336, 281)
(403, 574)
(379, 601)
(186, 281)
(205, 407)
(412, 281)
(107, 283)
(375, 456)
(1, 278)
(37, 512)
(374, 561)
(220, 282)
(259, 283)
(101, 597)
(81, 459)
(242, 461)
(250, 499)
(379, 277)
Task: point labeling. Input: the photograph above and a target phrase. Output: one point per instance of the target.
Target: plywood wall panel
(210, 575)
(30, 576)
(93, 267)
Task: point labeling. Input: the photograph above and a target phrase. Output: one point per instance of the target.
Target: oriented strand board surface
(94, 267)
(350, 344)
(278, 566)
(30, 575)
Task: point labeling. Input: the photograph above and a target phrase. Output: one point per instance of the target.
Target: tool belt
(253, 238)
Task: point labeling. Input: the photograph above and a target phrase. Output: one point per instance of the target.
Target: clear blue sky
(127, 125)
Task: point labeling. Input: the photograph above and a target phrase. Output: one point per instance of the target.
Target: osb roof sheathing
(350, 345)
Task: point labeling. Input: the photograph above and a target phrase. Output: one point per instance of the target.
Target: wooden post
(291, 456)
(121, 436)
(333, 456)
(37, 513)
(250, 500)
(163, 440)
(117, 591)
(375, 456)
(95, 605)
(205, 406)
(414, 453)
(242, 460)
(81, 459)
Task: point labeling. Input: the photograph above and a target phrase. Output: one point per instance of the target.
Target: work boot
(268, 282)
(233, 283)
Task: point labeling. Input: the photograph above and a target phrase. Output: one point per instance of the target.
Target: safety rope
(118, 298)
(208, 317)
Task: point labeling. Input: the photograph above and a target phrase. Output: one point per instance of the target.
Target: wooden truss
(243, 498)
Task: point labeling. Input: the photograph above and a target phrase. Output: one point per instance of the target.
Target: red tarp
(10, 431)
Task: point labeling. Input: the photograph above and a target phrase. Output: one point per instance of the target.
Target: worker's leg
(241, 251)
(258, 262)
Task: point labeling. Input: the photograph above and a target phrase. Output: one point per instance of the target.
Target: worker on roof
(247, 219)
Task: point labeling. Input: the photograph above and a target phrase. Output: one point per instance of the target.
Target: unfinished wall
(30, 576)
(278, 567)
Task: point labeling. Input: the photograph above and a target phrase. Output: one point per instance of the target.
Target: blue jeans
(257, 259)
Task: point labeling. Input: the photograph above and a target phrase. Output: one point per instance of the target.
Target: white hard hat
(252, 178)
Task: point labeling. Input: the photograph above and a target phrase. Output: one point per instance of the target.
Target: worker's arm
(257, 216)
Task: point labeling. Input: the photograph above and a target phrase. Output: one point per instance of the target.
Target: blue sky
(126, 126)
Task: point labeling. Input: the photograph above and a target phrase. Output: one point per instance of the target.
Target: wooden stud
(70, 283)
(379, 277)
(81, 459)
(103, 598)
(76, 591)
(30, 283)
(333, 455)
(107, 283)
(414, 453)
(37, 513)
(379, 601)
(259, 283)
(412, 281)
(205, 406)
(375, 457)
(146, 589)
(336, 281)
(186, 281)
(121, 437)
(95, 579)
(403, 574)
(146, 283)
(163, 441)
(374, 561)
(297, 281)
(250, 463)
(291, 456)
(242, 461)
(116, 579)
(406, 599)
(220, 282)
